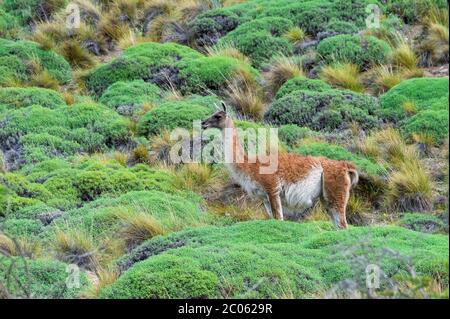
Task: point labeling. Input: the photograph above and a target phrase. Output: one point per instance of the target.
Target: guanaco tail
(298, 182)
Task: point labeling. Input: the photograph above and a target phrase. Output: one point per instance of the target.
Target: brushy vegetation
(87, 114)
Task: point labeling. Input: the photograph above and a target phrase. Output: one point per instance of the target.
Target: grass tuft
(342, 75)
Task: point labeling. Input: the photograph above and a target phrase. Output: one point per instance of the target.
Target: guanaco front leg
(275, 204)
(267, 207)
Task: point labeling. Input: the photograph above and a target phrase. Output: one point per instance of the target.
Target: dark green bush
(413, 10)
(341, 27)
(40, 278)
(261, 39)
(171, 115)
(336, 152)
(151, 62)
(329, 110)
(431, 123)
(423, 93)
(30, 11)
(207, 28)
(209, 73)
(24, 52)
(362, 51)
(309, 258)
(23, 97)
(41, 133)
(8, 25)
(291, 133)
(301, 84)
(24, 228)
(424, 223)
(127, 97)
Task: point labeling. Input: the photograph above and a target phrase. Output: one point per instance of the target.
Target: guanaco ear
(224, 106)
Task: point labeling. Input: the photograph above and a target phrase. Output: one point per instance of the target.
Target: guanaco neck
(232, 148)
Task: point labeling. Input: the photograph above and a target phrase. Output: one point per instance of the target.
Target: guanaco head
(217, 120)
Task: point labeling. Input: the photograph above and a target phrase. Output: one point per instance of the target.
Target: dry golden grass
(281, 69)
(295, 35)
(409, 188)
(76, 55)
(137, 227)
(75, 246)
(160, 147)
(437, 27)
(140, 154)
(227, 50)
(45, 80)
(386, 77)
(342, 75)
(245, 95)
(104, 276)
(241, 211)
(198, 178)
(409, 107)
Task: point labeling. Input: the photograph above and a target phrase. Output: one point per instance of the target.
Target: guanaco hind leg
(268, 208)
(336, 191)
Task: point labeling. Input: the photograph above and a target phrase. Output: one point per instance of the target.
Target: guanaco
(298, 182)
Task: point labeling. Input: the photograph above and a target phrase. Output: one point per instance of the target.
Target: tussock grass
(295, 35)
(342, 75)
(409, 186)
(104, 276)
(160, 147)
(437, 38)
(137, 227)
(386, 77)
(227, 50)
(245, 95)
(281, 69)
(198, 178)
(75, 246)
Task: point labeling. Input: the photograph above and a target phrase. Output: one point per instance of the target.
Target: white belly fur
(295, 197)
(303, 194)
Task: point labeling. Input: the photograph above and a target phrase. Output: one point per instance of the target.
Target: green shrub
(41, 133)
(291, 133)
(261, 39)
(413, 10)
(277, 259)
(40, 278)
(207, 28)
(100, 217)
(151, 62)
(424, 223)
(8, 25)
(171, 115)
(336, 152)
(341, 27)
(23, 97)
(362, 51)
(329, 110)
(430, 123)
(29, 11)
(24, 52)
(127, 97)
(24, 228)
(209, 73)
(301, 84)
(423, 93)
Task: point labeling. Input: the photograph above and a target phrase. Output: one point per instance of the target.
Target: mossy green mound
(16, 57)
(41, 278)
(336, 152)
(429, 123)
(14, 97)
(362, 51)
(327, 110)
(66, 186)
(37, 133)
(128, 97)
(171, 115)
(422, 93)
(301, 83)
(105, 216)
(272, 259)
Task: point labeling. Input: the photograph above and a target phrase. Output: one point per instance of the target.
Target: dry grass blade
(342, 75)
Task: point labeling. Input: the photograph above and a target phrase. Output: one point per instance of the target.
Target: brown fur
(337, 179)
